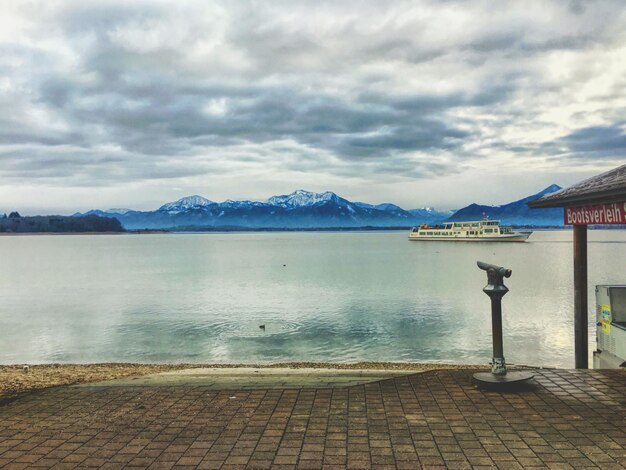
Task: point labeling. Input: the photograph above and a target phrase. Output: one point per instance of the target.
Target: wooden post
(580, 297)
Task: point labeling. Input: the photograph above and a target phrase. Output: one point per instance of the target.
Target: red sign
(600, 214)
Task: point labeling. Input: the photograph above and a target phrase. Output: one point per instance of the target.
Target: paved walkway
(567, 419)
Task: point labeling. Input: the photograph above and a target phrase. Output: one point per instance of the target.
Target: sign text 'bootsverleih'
(601, 214)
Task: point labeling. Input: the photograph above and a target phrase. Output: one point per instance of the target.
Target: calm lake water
(321, 296)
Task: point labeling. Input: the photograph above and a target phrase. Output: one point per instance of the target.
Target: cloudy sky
(132, 104)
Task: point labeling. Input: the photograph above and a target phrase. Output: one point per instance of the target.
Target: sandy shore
(15, 379)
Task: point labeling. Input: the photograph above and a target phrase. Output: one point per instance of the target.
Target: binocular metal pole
(498, 365)
(496, 289)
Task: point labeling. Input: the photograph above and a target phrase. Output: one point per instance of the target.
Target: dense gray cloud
(598, 141)
(169, 98)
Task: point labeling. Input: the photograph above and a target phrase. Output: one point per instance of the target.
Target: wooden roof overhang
(600, 199)
(607, 188)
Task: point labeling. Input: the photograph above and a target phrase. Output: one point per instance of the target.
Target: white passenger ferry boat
(474, 231)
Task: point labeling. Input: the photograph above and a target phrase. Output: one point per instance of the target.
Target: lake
(323, 296)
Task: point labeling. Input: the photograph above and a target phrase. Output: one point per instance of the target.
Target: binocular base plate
(513, 377)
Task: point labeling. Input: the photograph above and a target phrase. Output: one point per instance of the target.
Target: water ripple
(231, 329)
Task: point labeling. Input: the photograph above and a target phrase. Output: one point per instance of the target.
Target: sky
(423, 103)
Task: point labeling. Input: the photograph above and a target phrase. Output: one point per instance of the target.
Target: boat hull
(514, 237)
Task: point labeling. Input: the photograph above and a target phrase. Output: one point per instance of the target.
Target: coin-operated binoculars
(496, 289)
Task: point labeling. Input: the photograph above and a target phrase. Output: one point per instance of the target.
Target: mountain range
(514, 213)
(305, 209)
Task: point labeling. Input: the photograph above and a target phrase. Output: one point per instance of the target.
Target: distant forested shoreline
(14, 223)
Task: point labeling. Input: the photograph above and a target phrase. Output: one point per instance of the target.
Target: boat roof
(470, 221)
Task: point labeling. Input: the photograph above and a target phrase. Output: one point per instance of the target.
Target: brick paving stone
(439, 419)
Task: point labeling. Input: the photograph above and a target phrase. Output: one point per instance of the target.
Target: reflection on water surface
(321, 296)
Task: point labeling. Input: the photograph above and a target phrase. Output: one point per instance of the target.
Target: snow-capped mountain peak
(118, 211)
(236, 204)
(425, 210)
(302, 198)
(185, 203)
